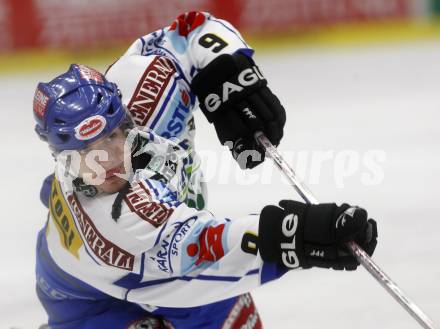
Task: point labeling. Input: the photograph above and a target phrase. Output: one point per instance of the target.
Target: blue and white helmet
(77, 108)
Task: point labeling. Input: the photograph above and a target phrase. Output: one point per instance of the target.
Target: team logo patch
(90, 127)
(87, 73)
(40, 103)
(210, 246)
(150, 89)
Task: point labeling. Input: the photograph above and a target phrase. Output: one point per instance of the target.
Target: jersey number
(249, 243)
(211, 40)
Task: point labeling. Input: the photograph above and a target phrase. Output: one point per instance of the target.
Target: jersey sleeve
(154, 75)
(159, 252)
(190, 257)
(193, 40)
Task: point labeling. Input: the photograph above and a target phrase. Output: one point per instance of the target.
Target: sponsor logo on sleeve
(141, 202)
(90, 127)
(40, 103)
(169, 247)
(150, 89)
(210, 245)
(64, 222)
(104, 249)
(87, 73)
(178, 114)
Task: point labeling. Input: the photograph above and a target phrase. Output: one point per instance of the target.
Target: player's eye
(112, 136)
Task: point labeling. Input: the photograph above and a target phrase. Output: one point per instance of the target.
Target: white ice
(383, 98)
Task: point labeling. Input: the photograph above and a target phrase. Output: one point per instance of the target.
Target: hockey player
(128, 242)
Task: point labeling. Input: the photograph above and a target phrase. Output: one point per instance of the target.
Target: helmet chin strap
(117, 204)
(138, 161)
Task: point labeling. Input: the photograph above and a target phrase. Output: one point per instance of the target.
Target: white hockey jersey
(165, 250)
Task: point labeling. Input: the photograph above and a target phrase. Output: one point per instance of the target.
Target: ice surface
(383, 98)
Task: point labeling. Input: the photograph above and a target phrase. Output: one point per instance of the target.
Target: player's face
(102, 162)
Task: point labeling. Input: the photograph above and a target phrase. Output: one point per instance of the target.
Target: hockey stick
(357, 251)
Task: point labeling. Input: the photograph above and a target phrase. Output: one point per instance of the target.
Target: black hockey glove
(234, 96)
(303, 235)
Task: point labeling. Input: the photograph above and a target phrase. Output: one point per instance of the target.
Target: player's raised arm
(198, 258)
(190, 257)
(212, 56)
(193, 40)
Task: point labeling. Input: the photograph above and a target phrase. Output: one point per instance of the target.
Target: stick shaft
(354, 248)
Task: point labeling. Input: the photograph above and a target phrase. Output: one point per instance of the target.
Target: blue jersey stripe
(164, 105)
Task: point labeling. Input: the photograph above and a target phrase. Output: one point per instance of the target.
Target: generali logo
(150, 89)
(90, 127)
(104, 249)
(140, 201)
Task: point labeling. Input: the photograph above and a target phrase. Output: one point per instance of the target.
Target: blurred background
(353, 75)
(35, 34)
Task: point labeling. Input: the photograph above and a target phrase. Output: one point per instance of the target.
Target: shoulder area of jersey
(153, 88)
(154, 71)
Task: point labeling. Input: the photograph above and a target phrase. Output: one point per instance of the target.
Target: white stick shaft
(357, 251)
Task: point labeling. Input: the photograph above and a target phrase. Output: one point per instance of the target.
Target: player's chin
(112, 185)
